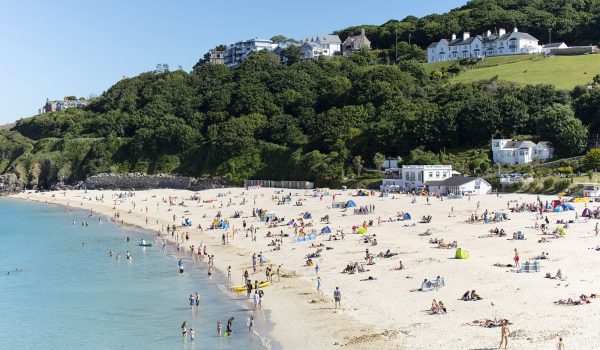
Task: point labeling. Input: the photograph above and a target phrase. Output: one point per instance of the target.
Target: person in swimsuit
(516, 258)
(191, 301)
(504, 332)
(184, 329)
(219, 328)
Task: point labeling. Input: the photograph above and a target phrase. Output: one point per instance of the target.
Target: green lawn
(564, 72)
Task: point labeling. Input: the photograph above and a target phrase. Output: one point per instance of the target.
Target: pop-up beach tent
(558, 209)
(326, 229)
(406, 216)
(461, 254)
(587, 213)
(350, 204)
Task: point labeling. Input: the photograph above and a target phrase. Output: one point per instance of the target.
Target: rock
(137, 181)
(10, 183)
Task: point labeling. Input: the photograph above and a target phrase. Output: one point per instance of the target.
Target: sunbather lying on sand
(487, 323)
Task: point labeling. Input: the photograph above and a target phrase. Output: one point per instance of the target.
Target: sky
(52, 49)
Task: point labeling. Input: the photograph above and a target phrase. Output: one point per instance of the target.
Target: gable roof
(553, 45)
(519, 144)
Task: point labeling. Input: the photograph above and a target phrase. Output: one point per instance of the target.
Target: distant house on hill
(321, 45)
(547, 49)
(507, 151)
(355, 43)
(59, 105)
(486, 45)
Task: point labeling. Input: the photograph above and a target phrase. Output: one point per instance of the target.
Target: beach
(378, 308)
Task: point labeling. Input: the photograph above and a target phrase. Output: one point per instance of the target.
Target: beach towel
(530, 267)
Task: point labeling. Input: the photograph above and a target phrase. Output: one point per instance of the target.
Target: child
(219, 328)
(192, 334)
(251, 324)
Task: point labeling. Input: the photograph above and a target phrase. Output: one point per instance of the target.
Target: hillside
(564, 72)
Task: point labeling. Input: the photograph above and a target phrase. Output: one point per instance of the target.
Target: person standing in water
(184, 329)
(251, 324)
(229, 274)
(197, 300)
(192, 334)
(191, 299)
(219, 328)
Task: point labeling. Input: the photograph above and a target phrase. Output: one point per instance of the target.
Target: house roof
(546, 144)
(454, 181)
(432, 45)
(519, 144)
(553, 45)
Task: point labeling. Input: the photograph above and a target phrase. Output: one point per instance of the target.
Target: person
(466, 296)
(229, 274)
(256, 298)
(219, 328)
(197, 300)
(192, 334)
(191, 301)
(319, 285)
(229, 329)
(251, 323)
(317, 269)
(181, 269)
(475, 296)
(516, 258)
(184, 329)
(337, 297)
(596, 229)
(560, 345)
(504, 332)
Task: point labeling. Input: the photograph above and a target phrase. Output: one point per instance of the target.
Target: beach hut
(350, 204)
(461, 254)
(326, 229)
(587, 213)
(406, 216)
(362, 230)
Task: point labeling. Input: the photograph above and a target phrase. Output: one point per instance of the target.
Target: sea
(60, 289)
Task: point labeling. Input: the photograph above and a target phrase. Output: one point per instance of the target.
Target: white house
(591, 190)
(237, 53)
(460, 185)
(485, 45)
(411, 177)
(321, 45)
(390, 163)
(507, 151)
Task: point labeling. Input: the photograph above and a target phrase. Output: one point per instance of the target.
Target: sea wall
(9, 184)
(138, 181)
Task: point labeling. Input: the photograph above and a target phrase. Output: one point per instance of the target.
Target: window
(430, 174)
(477, 187)
(437, 174)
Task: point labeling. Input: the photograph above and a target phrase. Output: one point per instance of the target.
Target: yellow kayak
(244, 288)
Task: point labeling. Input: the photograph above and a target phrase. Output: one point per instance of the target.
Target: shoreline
(286, 310)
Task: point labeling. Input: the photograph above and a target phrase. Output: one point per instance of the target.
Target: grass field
(564, 72)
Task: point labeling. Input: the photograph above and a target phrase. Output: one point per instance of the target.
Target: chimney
(466, 35)
(516, 30)
(501, 32)
(362, 32)
(453, 36)
(488, 34)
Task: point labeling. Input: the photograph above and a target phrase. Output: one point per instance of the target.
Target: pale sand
(384, 313)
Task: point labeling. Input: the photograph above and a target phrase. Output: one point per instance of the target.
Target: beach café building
(411, 177)
(462, 185)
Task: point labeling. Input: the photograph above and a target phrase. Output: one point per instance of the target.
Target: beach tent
(307, 215)
(326, 229)
(350, 204)
(362, 230)
(556, 203)
(406, 216)
(558, 209)
(568, 206)
(587, 213)
(461, 254)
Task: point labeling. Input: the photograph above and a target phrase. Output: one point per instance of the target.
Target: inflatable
(244, 288)
(362, 230)
(561, 230)
(461, 254)
(145, 245)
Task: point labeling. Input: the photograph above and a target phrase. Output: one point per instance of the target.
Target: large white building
(507, 151)
(411, 177)
(59, 105)
(497, 44)
(237, 53)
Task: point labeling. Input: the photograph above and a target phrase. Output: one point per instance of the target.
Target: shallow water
(71, 296)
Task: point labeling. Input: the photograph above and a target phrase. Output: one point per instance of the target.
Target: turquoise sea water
(74, 296)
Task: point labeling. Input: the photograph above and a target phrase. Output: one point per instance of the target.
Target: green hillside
(564, 72)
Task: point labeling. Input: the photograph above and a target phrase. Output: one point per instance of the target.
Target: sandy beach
(382, 311)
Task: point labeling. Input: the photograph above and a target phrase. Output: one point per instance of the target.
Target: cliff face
(9, 183)
(145, 182)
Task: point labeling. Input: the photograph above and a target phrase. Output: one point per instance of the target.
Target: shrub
(562, 185)
(548, 182)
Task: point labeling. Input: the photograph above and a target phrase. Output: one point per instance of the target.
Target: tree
(559, 125)
(378, 160)
(293, 54)
(358, 163)
(591, 160)
(597, 79)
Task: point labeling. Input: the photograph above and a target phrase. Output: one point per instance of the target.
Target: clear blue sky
(57, 48)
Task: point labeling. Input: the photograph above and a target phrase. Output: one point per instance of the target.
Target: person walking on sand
(560, 345)
(229, 274)
(337, 297)
(319, 285)
(516, 258)
(596, 229)
(504, 332)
